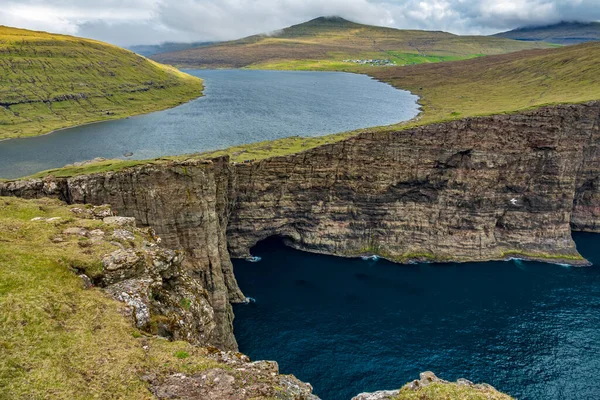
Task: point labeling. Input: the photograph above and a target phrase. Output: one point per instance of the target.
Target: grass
(401, 59)
(499, 84)
(92, 168)
(49, 82)
(58, 340)
(323, 44)
(450, 391)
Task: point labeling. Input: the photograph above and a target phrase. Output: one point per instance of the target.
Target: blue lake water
(347, 326)
(238, 107)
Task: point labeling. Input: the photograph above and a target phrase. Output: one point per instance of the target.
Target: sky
(131, 22)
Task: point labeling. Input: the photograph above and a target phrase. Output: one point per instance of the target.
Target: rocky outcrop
(243, 380)
(477, 189)
(429, 386)
(187, 204)
(162, 298)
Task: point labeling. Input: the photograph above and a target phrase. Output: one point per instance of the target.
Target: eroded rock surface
(162, 297)
(243, 380)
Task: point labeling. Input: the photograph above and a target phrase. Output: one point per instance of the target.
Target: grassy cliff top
(327, 41)
(63, 339)
(58, 340)
(49, 81)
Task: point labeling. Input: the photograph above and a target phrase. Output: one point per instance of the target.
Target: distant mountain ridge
(335, 43)
(565, 33)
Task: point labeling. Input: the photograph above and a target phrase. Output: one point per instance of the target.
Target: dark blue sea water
(349, 326)
(238, 107)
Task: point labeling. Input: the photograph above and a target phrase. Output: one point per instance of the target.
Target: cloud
(128, 22)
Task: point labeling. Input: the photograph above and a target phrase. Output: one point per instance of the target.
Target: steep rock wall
(186, 204)
(475, 189)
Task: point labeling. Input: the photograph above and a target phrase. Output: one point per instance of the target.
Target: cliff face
(471, 190)
(187, 206)
(476, 189)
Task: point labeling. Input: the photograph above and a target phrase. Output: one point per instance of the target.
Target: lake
(239, 107)
(348, 326)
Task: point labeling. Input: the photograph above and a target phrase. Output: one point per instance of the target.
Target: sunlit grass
(48, 82)
(58, 340)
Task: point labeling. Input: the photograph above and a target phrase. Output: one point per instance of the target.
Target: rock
(57, 239)
(153, 283)
(428, 377)
(121, 234)
(96, 233)
(75, 231)
(36, 219)
(86, 281)
(243, 381)
(119, 221)
(121, 259)
(135, 293)
(102, 211)
(53, 219)
(439, 192)
(381, 395)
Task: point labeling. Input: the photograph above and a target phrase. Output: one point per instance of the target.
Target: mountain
(55, 81)
(566, 33)
(148, 50)
(333, 43)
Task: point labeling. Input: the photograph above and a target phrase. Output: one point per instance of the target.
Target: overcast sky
(129, 22)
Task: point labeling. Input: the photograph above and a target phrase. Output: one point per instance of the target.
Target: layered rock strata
(487, 188)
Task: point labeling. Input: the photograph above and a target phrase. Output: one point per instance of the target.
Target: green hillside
(52, 81)
(504, 83)
(566, 33)
(335, 43)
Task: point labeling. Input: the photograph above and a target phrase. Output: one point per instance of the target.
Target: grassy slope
(506, 83)
(52, 81)
(450, 391)
(482, 86)
(58, 340)
(561, 33)
(324, 43)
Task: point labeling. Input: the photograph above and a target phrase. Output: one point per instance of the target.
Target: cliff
(486, 188)
(85, 296)
(82, 318)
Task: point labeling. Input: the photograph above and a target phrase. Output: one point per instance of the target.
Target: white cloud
(127, 22)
